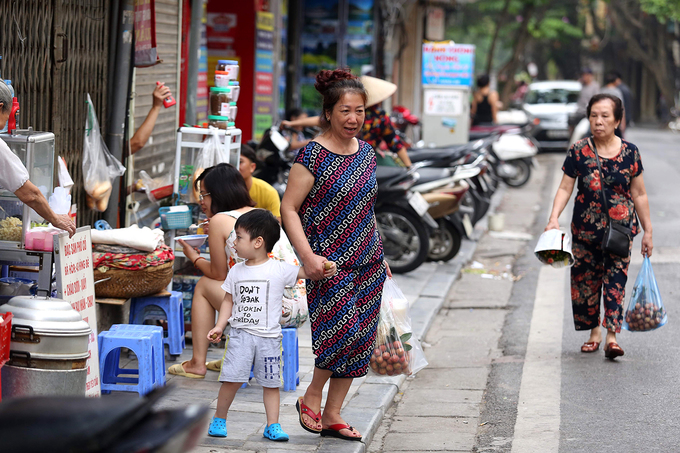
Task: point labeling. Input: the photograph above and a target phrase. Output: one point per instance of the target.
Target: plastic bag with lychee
(395, 350)
(645, 310)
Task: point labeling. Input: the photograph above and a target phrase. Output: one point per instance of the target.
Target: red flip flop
(334, 431)
(303, 409)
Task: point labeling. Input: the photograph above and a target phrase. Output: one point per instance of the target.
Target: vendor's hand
(190, 252)
(314, 267)
(647, 244)
(159, 93)
(329, 269)
(387, 269)
(215, 335)
(65, 222)
(553, 225)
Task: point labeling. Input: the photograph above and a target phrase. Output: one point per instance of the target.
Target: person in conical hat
(378, 127)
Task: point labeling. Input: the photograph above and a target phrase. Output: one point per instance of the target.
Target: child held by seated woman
(252, 306)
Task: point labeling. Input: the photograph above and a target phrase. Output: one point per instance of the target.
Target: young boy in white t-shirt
(252, 306)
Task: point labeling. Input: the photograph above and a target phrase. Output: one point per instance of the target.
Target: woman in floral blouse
(624, 188)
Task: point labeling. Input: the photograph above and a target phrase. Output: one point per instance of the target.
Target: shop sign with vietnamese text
(75, 284)
(448, 64)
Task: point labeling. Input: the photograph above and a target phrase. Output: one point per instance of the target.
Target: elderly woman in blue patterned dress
(328, 214)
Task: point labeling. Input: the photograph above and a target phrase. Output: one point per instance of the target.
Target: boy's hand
(215, 335)
(329, 269)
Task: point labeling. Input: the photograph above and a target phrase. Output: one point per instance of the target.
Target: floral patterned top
(589, 221)
(378, 127)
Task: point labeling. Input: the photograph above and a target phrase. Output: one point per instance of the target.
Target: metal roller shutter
(158, 155)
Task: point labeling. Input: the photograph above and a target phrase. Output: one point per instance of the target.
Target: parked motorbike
(402, 218)
(581, 131)
(443, 191)
(116, 424)
(512, 153)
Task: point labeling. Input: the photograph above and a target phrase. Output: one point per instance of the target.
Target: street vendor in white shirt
(14, 176)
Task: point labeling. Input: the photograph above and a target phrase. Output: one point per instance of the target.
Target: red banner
(145, 34)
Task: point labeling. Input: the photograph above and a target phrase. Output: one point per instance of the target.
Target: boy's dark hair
(226, 186)
(248, 153)
(262, 223)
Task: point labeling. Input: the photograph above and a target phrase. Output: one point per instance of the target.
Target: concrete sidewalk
(368, 398)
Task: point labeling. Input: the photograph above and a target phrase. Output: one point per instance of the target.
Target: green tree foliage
(663, 9)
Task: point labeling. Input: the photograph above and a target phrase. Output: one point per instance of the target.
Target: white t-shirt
(13, 174)
(257, 292)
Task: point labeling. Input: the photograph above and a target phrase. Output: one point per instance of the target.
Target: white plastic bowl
(194, 240)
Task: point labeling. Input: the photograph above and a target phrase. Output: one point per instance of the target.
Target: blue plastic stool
(159, 359)
(145, 345)
(291, 359)
(173, 311)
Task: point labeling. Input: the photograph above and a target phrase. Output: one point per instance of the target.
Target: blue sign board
(448, 64)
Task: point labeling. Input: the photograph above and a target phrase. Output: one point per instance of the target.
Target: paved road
(541, 394)
(572, 402)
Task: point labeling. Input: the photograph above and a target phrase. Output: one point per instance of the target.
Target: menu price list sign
(75, 284)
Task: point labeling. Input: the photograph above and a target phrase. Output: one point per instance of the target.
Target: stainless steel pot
(47, 328)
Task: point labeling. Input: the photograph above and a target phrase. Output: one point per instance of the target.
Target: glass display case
(36, 151)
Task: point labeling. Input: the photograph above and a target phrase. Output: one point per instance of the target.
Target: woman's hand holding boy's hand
(314, 267)
(215, 335)
(329, 269)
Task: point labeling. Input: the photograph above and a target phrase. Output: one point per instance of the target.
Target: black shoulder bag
(617, 238)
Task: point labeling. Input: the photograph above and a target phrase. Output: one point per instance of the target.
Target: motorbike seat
(437, 154)
(432, 174)
(384, 173)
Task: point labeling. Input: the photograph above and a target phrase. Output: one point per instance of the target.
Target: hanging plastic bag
(645, 310)
(554, 248)
(100, 168)
(156, 188)
(212, 153)
(396, 351)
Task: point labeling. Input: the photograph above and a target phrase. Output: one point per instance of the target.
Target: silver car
(548, 106)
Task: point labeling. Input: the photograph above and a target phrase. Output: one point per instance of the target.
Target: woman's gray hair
(5, 97)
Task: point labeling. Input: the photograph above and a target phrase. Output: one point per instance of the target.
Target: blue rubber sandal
(274, 432)
(218, 427)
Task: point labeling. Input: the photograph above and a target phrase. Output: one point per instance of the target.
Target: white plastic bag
(150, 184)
(211, 154)
(554, 248)
(100, 168)
(396, 351)
(65, 180)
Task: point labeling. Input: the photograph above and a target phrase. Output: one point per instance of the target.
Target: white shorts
(245, 351)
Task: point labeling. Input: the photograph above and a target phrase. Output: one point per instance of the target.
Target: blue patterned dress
(338, 219)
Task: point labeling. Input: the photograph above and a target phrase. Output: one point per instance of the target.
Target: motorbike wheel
(523, 173)
(406, 241)
(445, 242)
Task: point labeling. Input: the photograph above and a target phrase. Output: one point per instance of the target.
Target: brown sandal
(613, 350)
(591, 346)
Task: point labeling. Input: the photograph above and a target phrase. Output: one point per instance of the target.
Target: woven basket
(127, 283)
